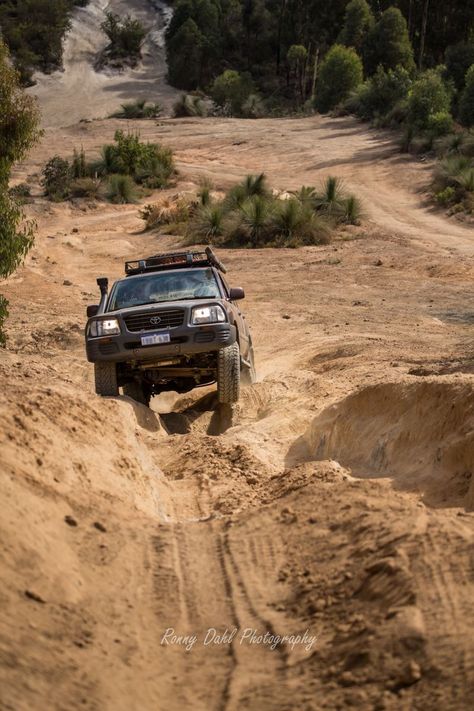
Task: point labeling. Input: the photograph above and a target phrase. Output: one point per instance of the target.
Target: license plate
(155, 339)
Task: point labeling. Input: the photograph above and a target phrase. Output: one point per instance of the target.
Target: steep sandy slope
(335, 500)
(79, 92)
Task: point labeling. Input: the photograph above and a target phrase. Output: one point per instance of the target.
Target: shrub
(458, 58)
(428, 96)
(147, 163)
(296, 224)
(84, 188)
(251, 186)
(253, 107)
(388, 43)
(79, 167)
(440, 124)
(185, 52)
(330, 199)
(167, 212)
(121, 189)
(232, 90)
(251, 215)
(466, 104)
(21, 192)
(56, 178)
(209, 223)
(253, 220)
(19, 119)
(352, 210)
(340, 73)
(358, 22)
(381, 93)
(139, 109)
(189, 105)
(447, 171)
(445, 197)
(125, 35)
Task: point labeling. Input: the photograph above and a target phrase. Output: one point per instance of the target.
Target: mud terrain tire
(228, 374)
(138, 392)
(106, 379)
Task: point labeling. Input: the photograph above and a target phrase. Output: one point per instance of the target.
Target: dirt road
(336, 501)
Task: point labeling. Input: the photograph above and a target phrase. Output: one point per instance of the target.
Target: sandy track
(336, 499)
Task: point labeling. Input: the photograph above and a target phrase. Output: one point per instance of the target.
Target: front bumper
(185, 340)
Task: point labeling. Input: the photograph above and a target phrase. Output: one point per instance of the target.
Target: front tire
(138, 392)
(228, 374)
(106, 379)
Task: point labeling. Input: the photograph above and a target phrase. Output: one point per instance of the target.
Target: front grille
(170, 318)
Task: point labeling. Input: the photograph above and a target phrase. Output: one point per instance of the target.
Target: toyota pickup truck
(172, 323)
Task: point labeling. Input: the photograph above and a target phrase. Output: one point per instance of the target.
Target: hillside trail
(336, 499)
(79, 92)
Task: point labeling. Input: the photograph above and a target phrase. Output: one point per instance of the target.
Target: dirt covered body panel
(164, 327)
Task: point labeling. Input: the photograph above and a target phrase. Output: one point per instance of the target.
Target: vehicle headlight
(105, 327)
(208, 314)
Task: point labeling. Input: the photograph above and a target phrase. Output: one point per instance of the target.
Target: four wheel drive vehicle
(171, 324)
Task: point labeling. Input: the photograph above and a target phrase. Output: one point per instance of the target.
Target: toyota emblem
(155, 319)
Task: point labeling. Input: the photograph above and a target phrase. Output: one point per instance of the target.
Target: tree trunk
(424, 23)
(315, 74)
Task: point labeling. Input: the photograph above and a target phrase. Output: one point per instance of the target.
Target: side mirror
(92, 310)
(236, 293)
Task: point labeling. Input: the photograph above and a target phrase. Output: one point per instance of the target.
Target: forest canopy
(256, 36)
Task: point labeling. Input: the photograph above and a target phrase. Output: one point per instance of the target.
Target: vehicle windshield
(165, 286)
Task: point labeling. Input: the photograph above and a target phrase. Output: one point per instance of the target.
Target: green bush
(428, 96)
(440, 124)
(295, 224)
(380, 94)
(458, 58)
(147, 163)
(466, 104)
(358, 23)
(121, 189)
(446, 197)
(84, 188)
(139, 109)
(126, 36)
(19, 119)
(340, 73)
(189, 105)
(250, 215)
(209, 223)
(56, 178)
(388, 43)
(185, 52)
(20, 192)
(231, 91)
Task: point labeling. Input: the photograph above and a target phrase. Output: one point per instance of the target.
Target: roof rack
(175, 260)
